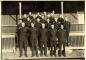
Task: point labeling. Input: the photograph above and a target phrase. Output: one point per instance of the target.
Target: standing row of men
(43, 31)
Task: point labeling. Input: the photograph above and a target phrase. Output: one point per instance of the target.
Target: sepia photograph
(43, 30)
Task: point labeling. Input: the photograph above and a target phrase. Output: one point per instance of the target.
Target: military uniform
(17, 38)
(60, 20)
(34, 41)
(67, 28)
(31, 18)
(43, 41)
(38, 17)
(51, 19)
(57, 25)
(24, 20)
(38, 27)
(53, 41)
(43, 20)
(23, 40)
(48, 37)
(61, 41)
(28, 24)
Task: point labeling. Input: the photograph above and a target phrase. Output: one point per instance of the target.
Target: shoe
(20, 56)
(37, 55)
(26, 56)
(46, 55)
(55, 55)
(41, 55)
(51, 55)
(59, 55)
(32, 56)
(64, 55)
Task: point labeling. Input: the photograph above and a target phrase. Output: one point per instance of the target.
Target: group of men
(43, 31)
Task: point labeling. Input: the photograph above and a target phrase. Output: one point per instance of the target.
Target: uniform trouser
(60, 48)
(34, 47)
(48, 42)
(43, 47)
(53, 48)
(67, 36)
(23, 44)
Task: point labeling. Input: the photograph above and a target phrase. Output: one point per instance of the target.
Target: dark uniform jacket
(47, 25)
(38, 27)
(24, 20)
(44, 34)
(53, 34)
(66, 25)
(33, 34)
(23, 33)
(31, 17)
(28, 24)
(62, 36)
(43, 20)
(51, 19)
(38, 17)
(57, 25)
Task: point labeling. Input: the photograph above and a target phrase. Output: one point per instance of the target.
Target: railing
(75, 39)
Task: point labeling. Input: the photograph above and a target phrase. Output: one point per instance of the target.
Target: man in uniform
(53, 40)
(48, 27)
(38, 16)
(28, 24)
(60, 19)
(18, 32)
(43, 40)
(43, 20)
(38, 27)
(61, 41)
(66, 24)
(24, 19)
(23, 39)
(56, 23)
(30, 16)
(34, 40)
(51, 18)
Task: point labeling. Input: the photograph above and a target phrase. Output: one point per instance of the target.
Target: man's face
(66, 18)
(43, 25)
(23, 24)
(20, 21)
(48, 15)
(62, 27)
(30, 13)
(32, 24)
(38, 20)
(28, 19)
(52, 26)
(42, 17)
(53, 12)
(48, 20)
(45, 13)
(25, 15)
(55, 19)
(38, 13)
